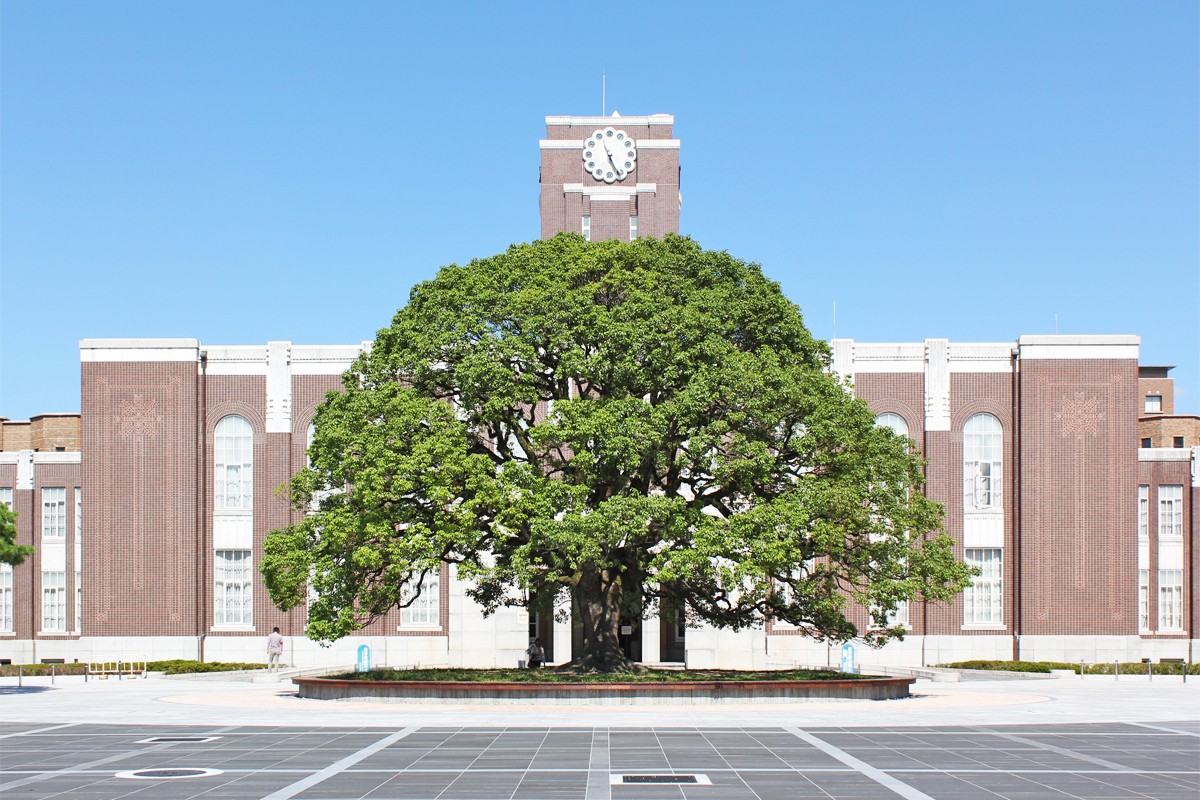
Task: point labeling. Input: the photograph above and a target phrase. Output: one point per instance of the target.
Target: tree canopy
(10, 551)
(632, 424)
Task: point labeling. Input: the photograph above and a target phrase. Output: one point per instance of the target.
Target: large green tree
(10, 551)
(633, 424)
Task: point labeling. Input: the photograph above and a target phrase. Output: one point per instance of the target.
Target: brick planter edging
(602, 693)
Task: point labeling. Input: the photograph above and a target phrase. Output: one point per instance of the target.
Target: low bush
(33, 670)
(568, 675)
(180, 666)
(1126, 668)
(1011, 666)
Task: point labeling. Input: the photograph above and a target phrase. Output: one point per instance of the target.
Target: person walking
(274, 649)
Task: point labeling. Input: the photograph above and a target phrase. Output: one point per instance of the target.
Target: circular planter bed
(606, 693)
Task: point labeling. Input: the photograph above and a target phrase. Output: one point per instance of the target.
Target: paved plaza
(162, 739)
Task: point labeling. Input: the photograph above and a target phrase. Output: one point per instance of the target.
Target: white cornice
(139, 349)
(577, 144)
(1164, 454)
(615, 120)
(621, 191)
(1079, 347)
(67, 457)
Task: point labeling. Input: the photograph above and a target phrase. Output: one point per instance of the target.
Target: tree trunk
(597, 601)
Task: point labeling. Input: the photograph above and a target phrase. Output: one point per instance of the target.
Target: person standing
(274, 649)
(535, 654)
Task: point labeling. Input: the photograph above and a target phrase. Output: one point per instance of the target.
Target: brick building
(149, 520)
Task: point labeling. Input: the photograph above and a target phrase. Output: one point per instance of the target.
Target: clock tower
(610, 177)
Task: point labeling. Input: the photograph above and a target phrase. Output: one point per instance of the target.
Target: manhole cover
(169, 739)
(674, 780)
(167, 773)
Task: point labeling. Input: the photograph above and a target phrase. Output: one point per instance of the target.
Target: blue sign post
(848, 658)
(364, 658)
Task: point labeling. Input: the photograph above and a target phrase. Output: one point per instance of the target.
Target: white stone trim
(639, 144)
(237, 360)
(596, 192)
(610, 198)
(842, 359)
(977, 357)
(885, 357)
(937, 384)
(1196, 466)
(653, 119)
(1072, 347)
(279, 387)
(67, 457)
(53, 555)
(10, 457)
(983, 530)
(25, 470)
(1166, 453)
(233, 530)
(139, 349)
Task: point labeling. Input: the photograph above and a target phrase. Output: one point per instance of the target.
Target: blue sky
(243, 172)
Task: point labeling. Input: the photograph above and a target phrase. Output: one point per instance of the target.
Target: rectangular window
(1153, 404)
(633, 227)
(6, 496)
(983, 600)
(78, 558)
(1170, 600)
(233, 595)
(1177, 441)
(1147, 443)
(1170, 511)
(54, 601)
(78, 599)
(1143, 511)
(6, 598)
(1143, 599)
(424, 610)
(54, 513)
(585, 227)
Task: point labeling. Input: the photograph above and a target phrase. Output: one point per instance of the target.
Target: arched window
(233, 453)
(893, 422)
(983, 461)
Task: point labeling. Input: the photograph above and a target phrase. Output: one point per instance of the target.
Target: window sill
(55, 634)
(985, 626)
(231, 628)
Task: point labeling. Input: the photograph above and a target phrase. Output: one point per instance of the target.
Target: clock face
(609, 155)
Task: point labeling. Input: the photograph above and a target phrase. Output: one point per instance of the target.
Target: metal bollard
(20, 675)
(1149, 671)
(1081, 669)
(118, 669)
(1186, 665)
(53, 670)
(1116, 669)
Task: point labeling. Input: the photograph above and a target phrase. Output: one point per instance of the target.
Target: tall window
(424, 610)
(1170, 511)
(633, 227)
(1143, 599)
(1143, 512)
(234, 591)
(1153, 404)
(585, 227)
(894, 422)
(54, 513)
(234, 455)
(6, 598)
(1170, 599)
(983, 599)
(983, 448)
(78, 558)
(54, 601)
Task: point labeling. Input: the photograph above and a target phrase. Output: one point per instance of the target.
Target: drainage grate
(170, 739)
(661, 780)
(173, 773)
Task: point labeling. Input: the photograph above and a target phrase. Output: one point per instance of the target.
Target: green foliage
(627, 423)
(1012, 666)
(37, 670)
(1107, 668)
(182, 666)
(10, 551)
(575, 676)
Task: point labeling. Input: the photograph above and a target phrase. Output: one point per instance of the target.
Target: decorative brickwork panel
(1078, 497)
(139, 498)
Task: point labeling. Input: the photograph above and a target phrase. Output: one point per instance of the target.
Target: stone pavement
(1068, 738)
